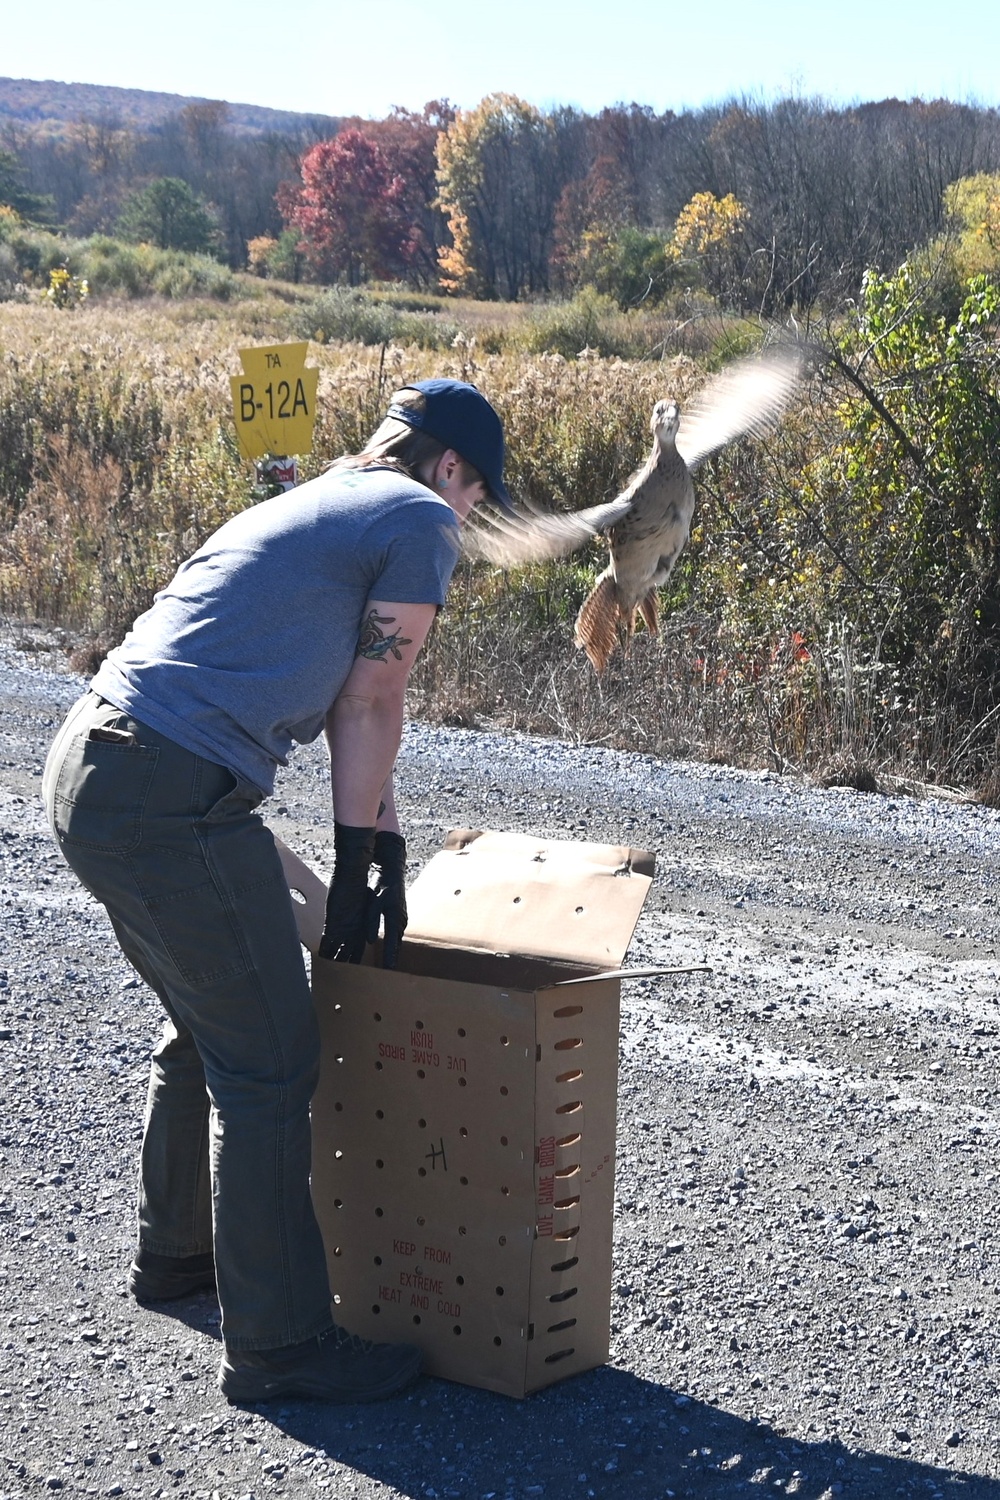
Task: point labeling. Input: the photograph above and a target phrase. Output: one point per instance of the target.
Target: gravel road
(807, 1264)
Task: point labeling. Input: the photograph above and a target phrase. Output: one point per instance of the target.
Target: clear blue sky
(363, 56)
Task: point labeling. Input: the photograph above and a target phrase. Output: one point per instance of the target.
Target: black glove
(388, 899)
(344, 932)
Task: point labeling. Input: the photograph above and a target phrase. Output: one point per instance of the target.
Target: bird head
(665, 421)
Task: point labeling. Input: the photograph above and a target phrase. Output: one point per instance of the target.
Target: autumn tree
(351, 211)
(497, 186)
(973, 208)
(709, 231)
(408, 142)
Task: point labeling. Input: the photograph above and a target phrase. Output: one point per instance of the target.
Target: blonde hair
(396, 445)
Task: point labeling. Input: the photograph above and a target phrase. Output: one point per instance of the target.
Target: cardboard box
(464, 1124)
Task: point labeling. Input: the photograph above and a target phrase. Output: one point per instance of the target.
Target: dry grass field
(117, 456)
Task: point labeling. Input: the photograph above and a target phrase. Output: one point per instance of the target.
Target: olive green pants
(172, 846)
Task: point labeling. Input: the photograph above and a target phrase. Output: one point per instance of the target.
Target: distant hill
(48, 107)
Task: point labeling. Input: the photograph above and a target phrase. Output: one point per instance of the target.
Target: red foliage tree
(350, 210)
(408, 142)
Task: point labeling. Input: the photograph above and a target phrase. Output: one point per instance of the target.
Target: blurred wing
(507, 541)
(745, 400)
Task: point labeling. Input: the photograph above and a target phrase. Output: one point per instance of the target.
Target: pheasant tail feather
(649, 609)
(597, 623)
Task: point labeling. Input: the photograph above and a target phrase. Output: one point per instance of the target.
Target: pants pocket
(100, 793)
(198, 933)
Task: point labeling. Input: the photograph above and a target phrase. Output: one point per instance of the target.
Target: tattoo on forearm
(374, 644)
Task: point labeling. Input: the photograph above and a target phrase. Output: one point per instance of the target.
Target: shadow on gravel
(606, 1434)
(200, 1313)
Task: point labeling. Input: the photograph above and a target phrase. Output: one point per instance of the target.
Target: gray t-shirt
(247, 647)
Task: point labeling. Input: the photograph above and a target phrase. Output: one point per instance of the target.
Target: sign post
(274, 408)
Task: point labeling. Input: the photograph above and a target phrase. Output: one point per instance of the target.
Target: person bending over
(299, 615)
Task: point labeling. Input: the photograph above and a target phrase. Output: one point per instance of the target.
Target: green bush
(179, 275)
(344, 315)
(590, 321)
(11, 286)
(110, 266)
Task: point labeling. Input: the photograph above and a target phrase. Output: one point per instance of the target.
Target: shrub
(344, 315)
(12, 288)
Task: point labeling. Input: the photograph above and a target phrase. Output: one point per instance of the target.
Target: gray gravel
(806, 1274)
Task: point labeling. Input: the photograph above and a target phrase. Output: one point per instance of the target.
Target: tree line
(783, 204)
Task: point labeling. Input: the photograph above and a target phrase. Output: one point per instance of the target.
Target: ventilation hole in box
(416, 1317)
(422, 1124)
(378, 1260)
(569, 1140)
(338, 1107)
(421, 1221)
(336, 1298)
(462, 1082)
(421, 1073)
(498, 1341)
(464, 1181)
(338, 1059)
(503, 1140)
(376, 1308)
(578, 910)
(531, 1331)
(504, 1090)
(502, 1240)
(568, 1043)
(463, 1132)
(380, 1114)
(505, 1191)
(378, 1067)
(337, 1250)
(567, 1265)
(499, 1291)
(461, 1031)
(457, 1328)
(505, 1041)
(421, 1171)
(566, 1202)
(568, 1010)
(297, 896)
(379, 1163)
(338, 1155)
(561, 1327)
(564, 1296)
(419, 1025)
(569, 1077)
(379, 1213)
(377, 1017)
(569, 1109)
(568, 1234)
(459, 1280)
(568, 1171)
(517, 900)
(462, 1229)
(338, 1202)
(458, 893)
(551, 1359)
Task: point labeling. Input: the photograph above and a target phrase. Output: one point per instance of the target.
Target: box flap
(540, 898)
(308, 896)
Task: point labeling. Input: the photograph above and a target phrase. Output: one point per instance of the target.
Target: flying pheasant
(648, 524)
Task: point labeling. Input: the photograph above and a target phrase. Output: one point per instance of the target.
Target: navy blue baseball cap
(461, 418)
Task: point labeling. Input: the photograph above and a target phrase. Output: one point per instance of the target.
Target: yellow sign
(274, 400)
